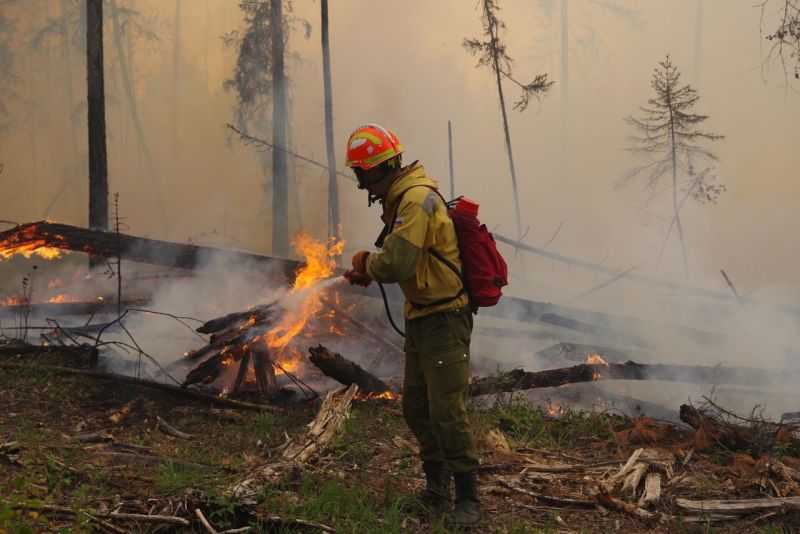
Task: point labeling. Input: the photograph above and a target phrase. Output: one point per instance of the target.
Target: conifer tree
(668, 135)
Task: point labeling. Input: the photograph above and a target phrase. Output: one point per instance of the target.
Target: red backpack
(483, 270)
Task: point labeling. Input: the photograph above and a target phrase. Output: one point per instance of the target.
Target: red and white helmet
(370, 145)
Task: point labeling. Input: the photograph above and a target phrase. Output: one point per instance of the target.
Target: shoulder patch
(398, 222)
(430, 202)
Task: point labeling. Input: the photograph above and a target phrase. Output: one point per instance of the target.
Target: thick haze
(402, 65)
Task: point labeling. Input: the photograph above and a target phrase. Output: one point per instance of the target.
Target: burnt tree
(280, 179)
(333, 187)
(98, 162)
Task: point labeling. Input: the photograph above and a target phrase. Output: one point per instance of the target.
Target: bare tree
(98, 165)
(7, 71)
(333, 188)
(668, 136)
(492, 53)
(782, 18)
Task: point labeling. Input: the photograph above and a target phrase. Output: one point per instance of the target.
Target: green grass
(525, 425)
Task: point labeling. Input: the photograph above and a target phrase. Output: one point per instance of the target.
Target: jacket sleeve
(402, 250)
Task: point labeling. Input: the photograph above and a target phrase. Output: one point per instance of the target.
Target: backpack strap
(387, 229)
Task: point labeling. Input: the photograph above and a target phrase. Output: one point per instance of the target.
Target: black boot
(437, 485)
(467, 511)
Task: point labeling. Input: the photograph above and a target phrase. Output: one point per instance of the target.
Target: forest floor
(547, 482)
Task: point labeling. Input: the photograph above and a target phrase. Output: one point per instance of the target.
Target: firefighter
(419, 251)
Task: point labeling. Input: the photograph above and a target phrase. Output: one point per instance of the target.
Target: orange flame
(12, 301)
(29, 242)
(596, 359)
(320, 263)
(554, 409)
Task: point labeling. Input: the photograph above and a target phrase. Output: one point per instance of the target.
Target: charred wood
(139, 249)
(346, 372)
(257, 314)
(56, 309)
(694, 374)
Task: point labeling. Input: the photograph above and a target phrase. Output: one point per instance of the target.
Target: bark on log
(693, 374)
(346, 372)
(139, 249)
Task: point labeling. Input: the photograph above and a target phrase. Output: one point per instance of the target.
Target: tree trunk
(280, 181)
(176, 54)
(675, 207)
(127, 84)
(333, 186)
(98, 164)
(450, 159)
(496, 66)
(565, 92)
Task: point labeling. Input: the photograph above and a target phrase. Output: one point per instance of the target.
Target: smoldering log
(346, 372)
(210, 369)
(693, 374)
(58, 309)
(579, 353)
(257, 314)
(108, 244)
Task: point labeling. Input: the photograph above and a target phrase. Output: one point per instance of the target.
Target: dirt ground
(357, 486)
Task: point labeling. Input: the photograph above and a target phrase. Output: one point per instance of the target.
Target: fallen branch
(172, 431)
(203, 521)
(549, 499)
(129, 458)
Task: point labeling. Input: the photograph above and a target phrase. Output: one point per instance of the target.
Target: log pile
(236, 338)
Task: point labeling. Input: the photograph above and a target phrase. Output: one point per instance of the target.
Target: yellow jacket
(421, 222)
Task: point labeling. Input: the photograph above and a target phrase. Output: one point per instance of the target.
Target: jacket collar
(411, 176)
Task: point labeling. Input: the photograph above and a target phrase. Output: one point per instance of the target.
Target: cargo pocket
(451, 359)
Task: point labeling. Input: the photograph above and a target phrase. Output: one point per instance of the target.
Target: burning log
(26, 238)
(580, 353)
(256, 315)
(346, 372)
(295, 454)
(234, 339)
(56, 309)
(589, 372)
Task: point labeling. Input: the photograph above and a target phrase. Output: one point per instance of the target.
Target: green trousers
(436, 387)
